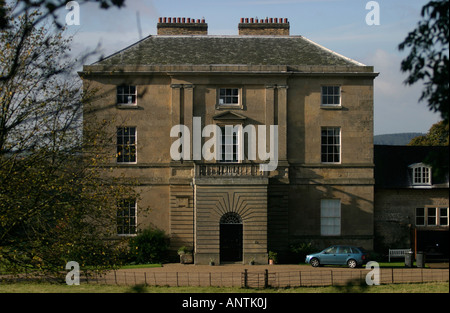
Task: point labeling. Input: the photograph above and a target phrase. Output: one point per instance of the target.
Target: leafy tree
(56, 204)
(437, 136)
(428, 59)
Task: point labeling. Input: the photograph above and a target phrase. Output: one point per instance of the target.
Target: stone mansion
(227, 207)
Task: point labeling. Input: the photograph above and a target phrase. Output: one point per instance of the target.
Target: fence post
(266, 278)
(300, 277)
(245, 278)
(331, 275)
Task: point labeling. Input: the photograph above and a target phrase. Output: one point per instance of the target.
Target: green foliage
(428, 60)
(149, 246)
(302, 249)
(437, 136)
(273, 256)
(184, 250)
(56, 204)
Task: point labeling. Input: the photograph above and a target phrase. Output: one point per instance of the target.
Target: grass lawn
(87, 288)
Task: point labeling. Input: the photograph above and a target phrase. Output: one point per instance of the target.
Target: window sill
(331, 107)
(130, 164)
(126, 106)
(229, 106)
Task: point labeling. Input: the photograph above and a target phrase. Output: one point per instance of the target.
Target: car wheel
(314, 262)
(351, 263)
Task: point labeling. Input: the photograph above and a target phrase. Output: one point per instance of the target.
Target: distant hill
(401, 139)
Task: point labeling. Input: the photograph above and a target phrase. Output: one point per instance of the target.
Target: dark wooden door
(230, 242)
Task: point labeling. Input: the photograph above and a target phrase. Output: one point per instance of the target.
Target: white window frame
(330, 92)
(223, 145)
(327, 145)
(127, 94)
(440, 216)
(330, 217)
(421, 174)
(126, 145)
(222, 99)
(130, 221)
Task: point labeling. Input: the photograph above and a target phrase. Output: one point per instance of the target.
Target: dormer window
(421, 174)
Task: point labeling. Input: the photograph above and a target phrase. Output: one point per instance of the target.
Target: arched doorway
(231, 237)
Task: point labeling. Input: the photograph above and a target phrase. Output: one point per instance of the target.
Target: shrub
(149, 246)
(302, 249)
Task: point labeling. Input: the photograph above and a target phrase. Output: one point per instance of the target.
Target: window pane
(126, 144)
(420, 216)
(126, 94)
(431, 220)
(443, 216)
(330, 217)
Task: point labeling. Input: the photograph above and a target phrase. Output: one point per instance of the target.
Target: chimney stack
(182, 26)
(267, 26)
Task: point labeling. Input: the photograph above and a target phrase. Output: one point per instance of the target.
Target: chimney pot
(267, 26)
(181, 26)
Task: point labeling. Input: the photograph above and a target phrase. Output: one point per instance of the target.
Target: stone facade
(188, 198)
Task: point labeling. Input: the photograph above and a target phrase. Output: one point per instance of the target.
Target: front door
(231, 239)
(230, 242)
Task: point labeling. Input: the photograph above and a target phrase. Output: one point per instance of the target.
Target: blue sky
(339, 25)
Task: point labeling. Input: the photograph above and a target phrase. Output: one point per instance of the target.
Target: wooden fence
(264, 279)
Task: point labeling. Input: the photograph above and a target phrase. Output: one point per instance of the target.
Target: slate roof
(392, 165)
(227, 50)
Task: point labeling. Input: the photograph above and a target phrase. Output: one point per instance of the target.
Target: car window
(343, 250)
(331, 250)
(355, 250)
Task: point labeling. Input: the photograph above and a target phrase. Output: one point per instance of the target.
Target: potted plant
(252, 261)
(273, 257)
(211, 262)
(185, 255)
